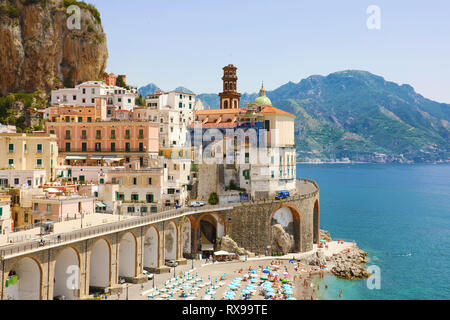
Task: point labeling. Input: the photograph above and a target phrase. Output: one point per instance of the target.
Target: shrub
(213, 199)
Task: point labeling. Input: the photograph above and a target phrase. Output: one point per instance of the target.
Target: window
(39, 148)
(135, 181)
(81, 178)
(130, 209)
(16, 181)
(102, 181)
(67, 134)
(98, 146)
(11, 148)
(83, 134)
(84, 100)
(149, 181)
(134, 197)
(190, 105)
(93, 90)
(11, 162)
(127, 134)
(84, 147)
(92, 100)
(84, 90)
(67, 146)
(39, 162)
(141, 147)
(144, 209)
(150, 198)
(129, 100)
(141, 134)
(80, 119)
(74, 98)
(113, 147)
(127, 147)
(267, 125)
(113, 134)
(119, 99)
(25, 218)
(180, 105)
(67, 119)
(89, 119)
(98, 134)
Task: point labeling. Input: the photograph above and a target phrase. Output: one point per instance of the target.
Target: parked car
(148, 274)
(196, 204)
(282, 195)
(171, 263)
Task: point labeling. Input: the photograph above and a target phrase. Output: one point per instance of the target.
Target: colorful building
(25, 151)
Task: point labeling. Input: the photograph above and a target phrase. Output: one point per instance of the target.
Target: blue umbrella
(291, 298)
(270, 294)
(266, 271)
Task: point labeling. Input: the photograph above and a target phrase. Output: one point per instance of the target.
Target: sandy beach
(212, 281)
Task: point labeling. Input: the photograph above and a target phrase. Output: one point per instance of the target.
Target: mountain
(361, 116)
(148, 89)
(151, 88)
(183, 89)
(38, 52)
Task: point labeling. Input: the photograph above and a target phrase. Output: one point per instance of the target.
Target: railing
(149, 218)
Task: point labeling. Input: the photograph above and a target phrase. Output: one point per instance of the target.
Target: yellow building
(22, 151)
(5, 217)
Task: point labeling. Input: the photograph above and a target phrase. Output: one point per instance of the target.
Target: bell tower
(229, 98)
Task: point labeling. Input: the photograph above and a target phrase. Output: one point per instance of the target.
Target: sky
(186, 43)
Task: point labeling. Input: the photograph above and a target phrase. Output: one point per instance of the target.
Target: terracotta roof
(270, 109)
(219, 111)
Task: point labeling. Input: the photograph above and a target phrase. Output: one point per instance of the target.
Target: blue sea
(398, 213)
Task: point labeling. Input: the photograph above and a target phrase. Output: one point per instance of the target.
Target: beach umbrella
(285, 280)
(254, 280)
(185, 287)
(266, 271)
(270, 294)
(246, 291)
(253, 271)
(291, 298)
(264, 278)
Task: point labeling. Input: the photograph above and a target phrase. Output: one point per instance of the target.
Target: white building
(5, 217)
(22, 178)
(85, 93)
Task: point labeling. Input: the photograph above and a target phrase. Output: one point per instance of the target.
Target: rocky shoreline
(348, 264)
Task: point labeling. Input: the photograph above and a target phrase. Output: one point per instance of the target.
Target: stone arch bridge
(96, 258)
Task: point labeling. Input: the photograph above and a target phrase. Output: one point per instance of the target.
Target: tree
(213, 199)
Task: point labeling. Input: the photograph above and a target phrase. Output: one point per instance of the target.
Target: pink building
(132, 141)
(60, 207)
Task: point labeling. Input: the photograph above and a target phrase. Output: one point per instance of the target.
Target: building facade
(22, 151)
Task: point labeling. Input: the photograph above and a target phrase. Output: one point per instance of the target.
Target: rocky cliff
(38, 51)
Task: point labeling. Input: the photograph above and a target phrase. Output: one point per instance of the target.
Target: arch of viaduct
(97, 263)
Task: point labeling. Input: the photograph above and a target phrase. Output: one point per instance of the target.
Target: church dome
(263, 100)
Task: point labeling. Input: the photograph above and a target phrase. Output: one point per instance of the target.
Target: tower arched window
(225, 104)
